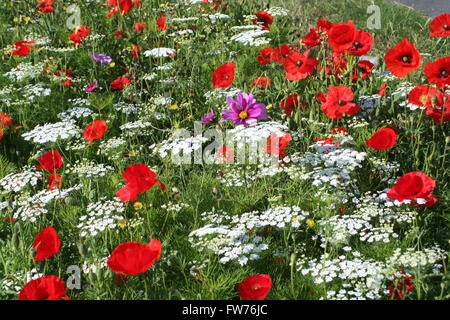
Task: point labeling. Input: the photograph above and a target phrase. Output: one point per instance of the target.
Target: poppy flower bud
(70, 201)
(82, 249)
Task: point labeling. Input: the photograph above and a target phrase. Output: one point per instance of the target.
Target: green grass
(422, 146)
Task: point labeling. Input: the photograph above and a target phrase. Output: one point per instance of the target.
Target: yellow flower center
(423, 99)
(243, 115)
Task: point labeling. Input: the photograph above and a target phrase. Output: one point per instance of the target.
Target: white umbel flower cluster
(232, 237)
(35, 206)
(330, 165)
(138, 127)
(13, 283)
(179, 147)
(16, 182)
(52, 132)
(278, 12)
(229, 243)
(26, 70)
(251, 38)
(101, 216)
(279, 217)
(412, 258)
(88, 169)
(75, 113)
(363, 279)
(160, 52)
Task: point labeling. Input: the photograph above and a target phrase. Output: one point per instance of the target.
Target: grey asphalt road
(430, 8)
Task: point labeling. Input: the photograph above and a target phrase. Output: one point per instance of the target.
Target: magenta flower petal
(244, 110)
(91, 86)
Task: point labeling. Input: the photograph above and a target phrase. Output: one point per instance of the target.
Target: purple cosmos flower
(208, 118)
(244, 110)
(101, 58)
(91, 86)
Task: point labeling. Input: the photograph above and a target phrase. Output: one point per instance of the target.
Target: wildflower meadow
(223, 150)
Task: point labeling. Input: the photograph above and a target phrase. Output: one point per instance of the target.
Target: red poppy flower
(65, 73)
(362, 70)
(383, 139)
(298, 66)
(276, 144)
(217, 4)
(398, 288)
(312, 39)
(424, 96)
(46, 244)
(118, 34)
(337, 130)
(120, 83)
(46, 6)
(440, 113)
(382, 91)
(341, 36)
(338, 101)
(67, 83)
(21, 48)
(265, 56)
(280, 53)
(44, 288)
(95, 130)
(139, 26)
(223, 76)
(324, 25)
(225, 154)
(412, 185)
(440, 26)
(121, 6)
(438, 72)
(161, 22)
(140, 178)
(255, 287)
(402, 59)
(264, 18)
(79, 33)
(10, 219)
(316, 35)
(135, 52)
(336, 63)
(290, 103)
(263, 82)
(5, 120)
(51, 161)
(362, 43)
(321, 97)
(140, 175)
(132, 257)
(54, 181)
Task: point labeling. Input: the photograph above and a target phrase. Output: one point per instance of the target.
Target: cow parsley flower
(52, 132)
